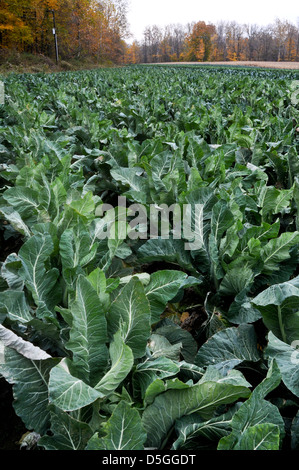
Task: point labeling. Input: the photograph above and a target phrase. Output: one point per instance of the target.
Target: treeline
(85, 28)
(98, 30)
(226, 41)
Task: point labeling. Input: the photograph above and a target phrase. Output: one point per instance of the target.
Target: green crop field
(120, 327)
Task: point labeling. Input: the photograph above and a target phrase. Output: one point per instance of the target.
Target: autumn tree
(21, 21)
(199, 42)
(14, 32)
(292, 43)
(85, 28)
(133, 53)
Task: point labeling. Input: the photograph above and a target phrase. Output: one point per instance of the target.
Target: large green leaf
(10, 339)
(236, 280)
(30, 384)
(14, 305)
(234, 377)
(287, 359)
(177, 335)
(229, 347)
(158, 168)
(137, 184)
(67, 433)
(274, 201)
(130, 313)
(88, 333)
(148, 371)
(222, 219)
(256, 411)
(279, 306)
(10, 272)
(171, 251)
(25, 201)
(122, 361)
(117, 247)
(42, 282)
(241, 310)
(159, 418)
(278, 250)
(84, 207)
(193, 432)
(14, 218)
(263, 436)
(159, 386)
(163, 287)
(262, 233)
(123, 431)
(99, 282)
(159, 346)
(67, 392)
(76, 251)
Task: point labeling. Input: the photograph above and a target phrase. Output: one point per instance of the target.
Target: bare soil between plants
(12, 428)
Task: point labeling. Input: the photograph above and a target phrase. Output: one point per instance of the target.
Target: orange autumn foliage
(85, 28)
(199, 42)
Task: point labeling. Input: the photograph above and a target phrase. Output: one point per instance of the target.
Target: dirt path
(272, 65)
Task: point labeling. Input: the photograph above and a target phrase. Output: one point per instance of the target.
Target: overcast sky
(162, 12)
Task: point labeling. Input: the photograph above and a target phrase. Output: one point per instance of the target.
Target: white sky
(162, 12)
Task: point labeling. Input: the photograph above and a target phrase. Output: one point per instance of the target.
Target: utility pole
(55, 36)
